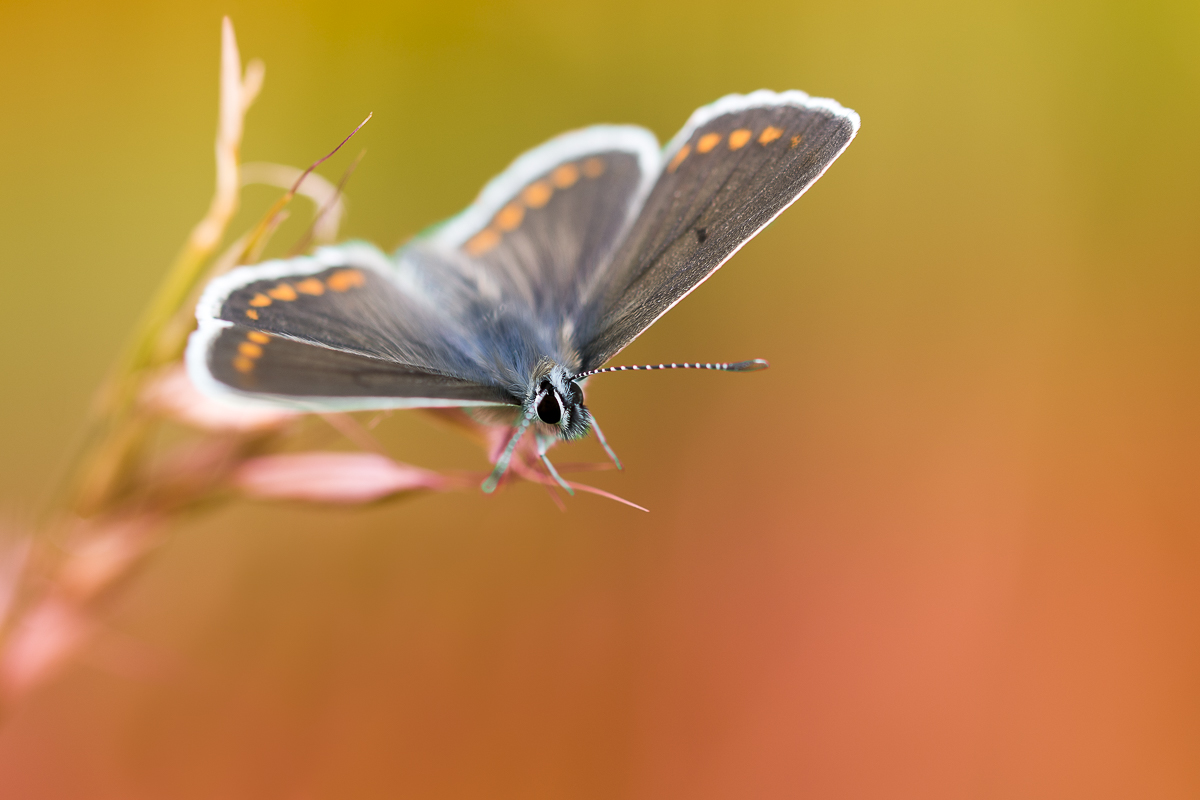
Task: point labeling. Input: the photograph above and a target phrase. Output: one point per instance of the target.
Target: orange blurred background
(946, 547)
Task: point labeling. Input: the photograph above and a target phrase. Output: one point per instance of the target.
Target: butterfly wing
(463, 316)
(531, 270)
(343, 329)
(735, 166)
(516, 261)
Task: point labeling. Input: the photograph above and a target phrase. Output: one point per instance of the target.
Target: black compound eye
(548, 409)
(576, 394)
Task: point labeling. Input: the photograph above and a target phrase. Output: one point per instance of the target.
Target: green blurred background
(946, 547)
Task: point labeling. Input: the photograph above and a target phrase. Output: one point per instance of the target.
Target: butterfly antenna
(753, 365)
(492, 481)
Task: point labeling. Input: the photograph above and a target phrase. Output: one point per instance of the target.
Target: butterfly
(563, 260)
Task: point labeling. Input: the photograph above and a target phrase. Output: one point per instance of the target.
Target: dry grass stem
(131, 481)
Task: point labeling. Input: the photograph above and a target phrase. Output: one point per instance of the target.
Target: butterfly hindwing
(733, 168)
(248, 360)
(338, 330)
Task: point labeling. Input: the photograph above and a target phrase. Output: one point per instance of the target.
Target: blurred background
(946, 547)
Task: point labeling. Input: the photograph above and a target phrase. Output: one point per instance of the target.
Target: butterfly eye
(576, 394)
(548, 408)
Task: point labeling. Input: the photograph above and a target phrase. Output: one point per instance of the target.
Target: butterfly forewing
(558, 228)
(735, 167)
(554, 217)
(248, 360)
(512, 266)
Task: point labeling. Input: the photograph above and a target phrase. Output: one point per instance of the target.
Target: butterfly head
(558, 402)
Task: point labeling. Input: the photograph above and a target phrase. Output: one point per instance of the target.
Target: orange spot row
(340, 281)
(769, 135)
(564, 177)
(737, 140)
(679, 157)
(284, 292)
(707, 142)
(535, 195)
(510, 217)
(483, 241)
(250, 351)
(346, 279)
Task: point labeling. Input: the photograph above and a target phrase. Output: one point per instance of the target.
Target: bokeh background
(948, 546)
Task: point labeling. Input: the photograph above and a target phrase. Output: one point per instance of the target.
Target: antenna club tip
(753, 365)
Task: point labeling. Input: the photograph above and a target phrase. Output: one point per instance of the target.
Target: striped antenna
(753, 365)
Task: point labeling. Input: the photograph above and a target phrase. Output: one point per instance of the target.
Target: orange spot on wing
(311, 286)
(480, 243)
(537, 194)
(593, 167)
(258, 336)
(251, 313)
(769, 135)
(679, 157)
(738, 139)
(796, 140)
(707, 142)
(510, 217)
(249, 350)
(259, 300)
(345, 279)
(283, 291)
(565, 176)
(243, 364)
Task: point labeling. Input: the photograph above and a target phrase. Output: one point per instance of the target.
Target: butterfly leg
(489, 485)
(604, 442)
(542, 444)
